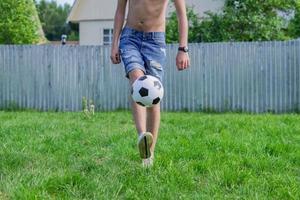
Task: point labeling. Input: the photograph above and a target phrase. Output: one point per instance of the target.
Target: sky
(62, 2)
(65, 1)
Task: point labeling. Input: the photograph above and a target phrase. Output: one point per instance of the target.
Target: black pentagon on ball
(140, 104)
(142, 78)
(156, 100)
(143, 92)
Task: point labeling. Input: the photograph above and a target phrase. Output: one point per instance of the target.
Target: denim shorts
(143, 50)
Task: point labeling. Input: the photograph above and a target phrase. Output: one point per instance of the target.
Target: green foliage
(53, 18)
(88, 108)
(18, 24)
(242, 20)
(172, 27)
(294, 26)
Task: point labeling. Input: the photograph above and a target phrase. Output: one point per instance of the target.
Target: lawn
(198, 156)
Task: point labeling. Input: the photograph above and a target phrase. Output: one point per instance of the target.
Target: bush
(19, 23)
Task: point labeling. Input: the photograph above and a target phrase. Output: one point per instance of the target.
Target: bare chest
(148, 3)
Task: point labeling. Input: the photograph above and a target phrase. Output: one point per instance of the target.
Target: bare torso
(147, 15)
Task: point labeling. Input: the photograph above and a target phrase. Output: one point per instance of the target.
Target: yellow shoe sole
(144, 144)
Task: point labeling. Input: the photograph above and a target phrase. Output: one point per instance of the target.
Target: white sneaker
(144, 143)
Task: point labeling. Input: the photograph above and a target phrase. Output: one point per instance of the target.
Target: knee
(155, 108)
(135, 74)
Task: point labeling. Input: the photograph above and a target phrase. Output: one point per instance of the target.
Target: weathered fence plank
(250, 77)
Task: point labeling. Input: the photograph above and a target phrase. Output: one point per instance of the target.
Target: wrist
(115, 45)
(184, 49)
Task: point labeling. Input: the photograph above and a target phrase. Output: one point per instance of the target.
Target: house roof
(87, 10)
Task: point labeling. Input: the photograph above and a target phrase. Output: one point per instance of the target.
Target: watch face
(184, 49)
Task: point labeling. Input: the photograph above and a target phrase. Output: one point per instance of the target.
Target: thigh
(154, 55)
(130, 54)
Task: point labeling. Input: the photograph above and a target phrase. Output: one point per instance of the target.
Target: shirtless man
(141, 45)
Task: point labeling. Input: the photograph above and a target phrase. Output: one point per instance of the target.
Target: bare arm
(182, 59)
(182, 22)
(118, 25)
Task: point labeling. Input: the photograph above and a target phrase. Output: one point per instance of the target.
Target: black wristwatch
(184, 49)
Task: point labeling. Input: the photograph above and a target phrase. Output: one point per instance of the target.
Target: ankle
(141, 133)
(152, 154)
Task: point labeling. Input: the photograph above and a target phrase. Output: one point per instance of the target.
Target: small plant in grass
(88, 107)
(92, 107)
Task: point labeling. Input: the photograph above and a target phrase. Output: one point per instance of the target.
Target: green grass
(198, 156)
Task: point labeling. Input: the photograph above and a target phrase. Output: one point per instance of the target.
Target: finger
(112, 59)
(115, 58)
(182, 64)
(186, 64)
(178, 65)
(118, 59)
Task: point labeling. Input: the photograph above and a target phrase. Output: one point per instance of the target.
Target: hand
(115, 55)
(182, 60)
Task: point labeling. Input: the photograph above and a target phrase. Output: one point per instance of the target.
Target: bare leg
(138, 112)
(153, 121)
(146, 119)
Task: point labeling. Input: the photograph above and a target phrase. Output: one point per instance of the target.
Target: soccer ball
(147, 91)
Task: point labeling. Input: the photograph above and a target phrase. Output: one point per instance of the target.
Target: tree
(19, 23)
(172, 33)
(256, 20)
(244, 20)
(294, 26)
(53, 18)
